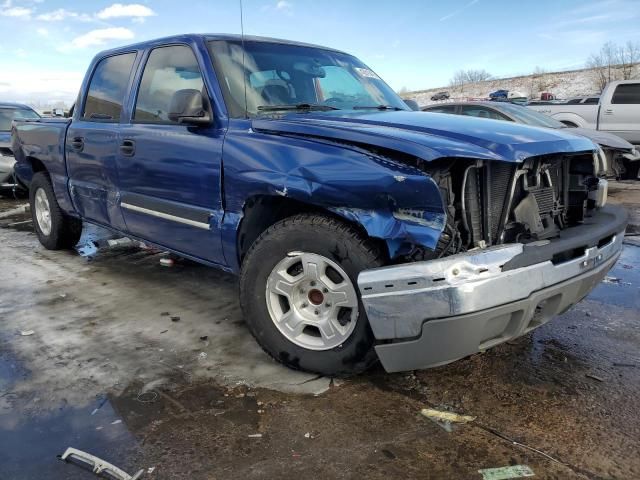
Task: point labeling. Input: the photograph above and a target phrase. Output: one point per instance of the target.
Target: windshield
(7, 115)
(281, 74)
(529, 116)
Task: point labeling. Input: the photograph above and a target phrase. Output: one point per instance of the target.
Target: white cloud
(283, 5)
(101, 36)
(62, 14)
(117, 10)
(42, 31)
(8, 10)
(33, 83)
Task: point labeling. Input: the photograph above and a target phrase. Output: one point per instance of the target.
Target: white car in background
(618, 111)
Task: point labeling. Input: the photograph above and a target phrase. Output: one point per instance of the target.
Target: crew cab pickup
(361, 230)
(618, 111)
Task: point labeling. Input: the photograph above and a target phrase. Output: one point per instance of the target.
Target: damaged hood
(604, 139)
(429, 136)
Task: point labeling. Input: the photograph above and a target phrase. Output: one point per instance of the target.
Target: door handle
(608, 111)
(128, 148)
(77, 144)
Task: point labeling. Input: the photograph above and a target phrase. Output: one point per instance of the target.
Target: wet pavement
(152, 367)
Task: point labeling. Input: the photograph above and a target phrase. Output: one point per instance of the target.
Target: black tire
(337, 241)
(65, 230)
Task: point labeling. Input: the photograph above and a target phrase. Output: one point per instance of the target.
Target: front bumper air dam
(439, 311)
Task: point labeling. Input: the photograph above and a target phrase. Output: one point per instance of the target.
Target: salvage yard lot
(152, 367)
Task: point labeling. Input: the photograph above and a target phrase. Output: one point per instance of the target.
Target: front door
(92, 142)
(169, 173)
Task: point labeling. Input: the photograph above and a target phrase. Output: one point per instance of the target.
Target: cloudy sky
(46, 45)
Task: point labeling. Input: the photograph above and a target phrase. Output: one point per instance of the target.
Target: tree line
(614, 62)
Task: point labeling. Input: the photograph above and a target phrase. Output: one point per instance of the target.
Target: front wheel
(299, 294)
(54, 228)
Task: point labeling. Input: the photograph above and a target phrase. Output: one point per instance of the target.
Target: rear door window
(628, 93)
(108, 87)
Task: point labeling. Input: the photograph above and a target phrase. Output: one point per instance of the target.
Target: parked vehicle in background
(499, 94)
(361, 230)
(618, 111)
(622, 158)
(440, 96)
(8, 113)
(547, 96)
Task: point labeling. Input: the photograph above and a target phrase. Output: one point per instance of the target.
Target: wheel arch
(262, 211)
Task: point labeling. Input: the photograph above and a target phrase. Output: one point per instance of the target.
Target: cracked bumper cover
(435, 312)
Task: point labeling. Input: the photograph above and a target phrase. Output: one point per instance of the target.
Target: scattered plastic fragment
(164, 314)
(115, 422)
(150, 469)
(255, 435)
(307, 435)
(203, 355)
(167, 262)
(506, 473)
(175, 319)
(204, 337)
(164, 331)
(617, 364)
(446, 416)
(595, 377)
(98, 465)
(26, 333)
(118, 242)
(445, 419)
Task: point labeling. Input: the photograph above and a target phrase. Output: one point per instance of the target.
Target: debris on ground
(595, 377)
(617, 364)
(506, 473)
(167, 262)
(255, 435)
(204, 337)
(202, 356)
(26, 333)
(444, 416)
(445, 419)
(119, 242)
(175, 318)
(98, 465)
(614, 281)
(116, 422)
(15, 211)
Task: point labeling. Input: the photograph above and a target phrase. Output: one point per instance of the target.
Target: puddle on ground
(621, 286)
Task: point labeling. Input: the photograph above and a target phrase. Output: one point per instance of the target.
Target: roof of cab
(208, 37)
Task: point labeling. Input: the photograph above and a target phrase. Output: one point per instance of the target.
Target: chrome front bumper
(438, 311)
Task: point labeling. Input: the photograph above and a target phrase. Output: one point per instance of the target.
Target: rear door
(622, 115)
(169, 173)
(92, 141)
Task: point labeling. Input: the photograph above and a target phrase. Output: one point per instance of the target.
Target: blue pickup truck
(361, 230)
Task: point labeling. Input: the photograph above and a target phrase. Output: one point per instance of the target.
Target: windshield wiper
(376, 107)
(297, 106)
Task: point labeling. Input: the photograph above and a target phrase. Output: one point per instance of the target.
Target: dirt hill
(562, 84)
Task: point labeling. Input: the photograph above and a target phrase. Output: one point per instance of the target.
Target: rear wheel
(54, 228)
(299, 294)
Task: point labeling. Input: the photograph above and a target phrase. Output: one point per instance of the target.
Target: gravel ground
(152, 367)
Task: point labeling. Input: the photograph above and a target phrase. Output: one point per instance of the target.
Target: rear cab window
(108, 87)
(626, 93)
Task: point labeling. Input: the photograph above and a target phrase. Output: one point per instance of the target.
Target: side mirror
(412, 104)
(188, 106)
